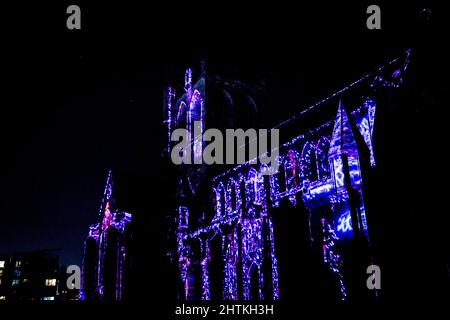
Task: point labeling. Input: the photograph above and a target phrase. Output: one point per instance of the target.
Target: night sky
(76, 103)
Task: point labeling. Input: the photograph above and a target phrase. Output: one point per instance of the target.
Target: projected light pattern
(332, 258)
(365, 118)
(319, 173)
(313, 165)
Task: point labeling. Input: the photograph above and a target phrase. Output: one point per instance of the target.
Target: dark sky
(75, 103)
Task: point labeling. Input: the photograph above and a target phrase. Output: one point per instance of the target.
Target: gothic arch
(254, 186)
(277, 180)
(323, 167)
(220, 200)
(308, 162)
(181, 115)
(292, 170)
(195, 106)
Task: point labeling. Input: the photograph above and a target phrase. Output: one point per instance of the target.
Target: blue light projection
(344, 223)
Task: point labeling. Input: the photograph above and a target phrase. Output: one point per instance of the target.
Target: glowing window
(15, 282)
(18, 263)
(308, 163)
(50, 282)
(291, 170)
(1, 272)
(48, 298)
(25, 280)
(2, 264)
(2, 297)
(323, 167)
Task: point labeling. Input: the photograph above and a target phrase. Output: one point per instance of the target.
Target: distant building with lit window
(4, 264)
(29, 276)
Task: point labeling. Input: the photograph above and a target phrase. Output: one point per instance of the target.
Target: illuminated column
(183, 259)
(188, 91)
(343, 142)
(330, 257)
(169, 99)
(205, 253)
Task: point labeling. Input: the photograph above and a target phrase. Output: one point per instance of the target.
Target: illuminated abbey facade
(228, 241)
(229, 252)
(234, 233)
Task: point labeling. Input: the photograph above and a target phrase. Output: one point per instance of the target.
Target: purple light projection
(317, 172)
(109, 236)
(332, 258)
(321, 167)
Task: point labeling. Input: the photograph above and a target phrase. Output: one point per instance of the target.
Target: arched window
(181, 115)
(195, 120)
(292, 170)
(308, 163)
(277, 180)
(254, 187)
(231, 196)
(323, 167)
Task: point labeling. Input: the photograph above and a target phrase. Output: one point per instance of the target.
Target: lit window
(18, 263)
(24, 280)
(2, 264)
(2, 298)
(50, 282)
(15, 282)
(48, 298)
(0, 281)
(1, 272)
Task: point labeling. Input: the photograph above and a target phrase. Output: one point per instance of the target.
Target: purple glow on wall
(320, 169)
(317, 172)
(110, 238)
